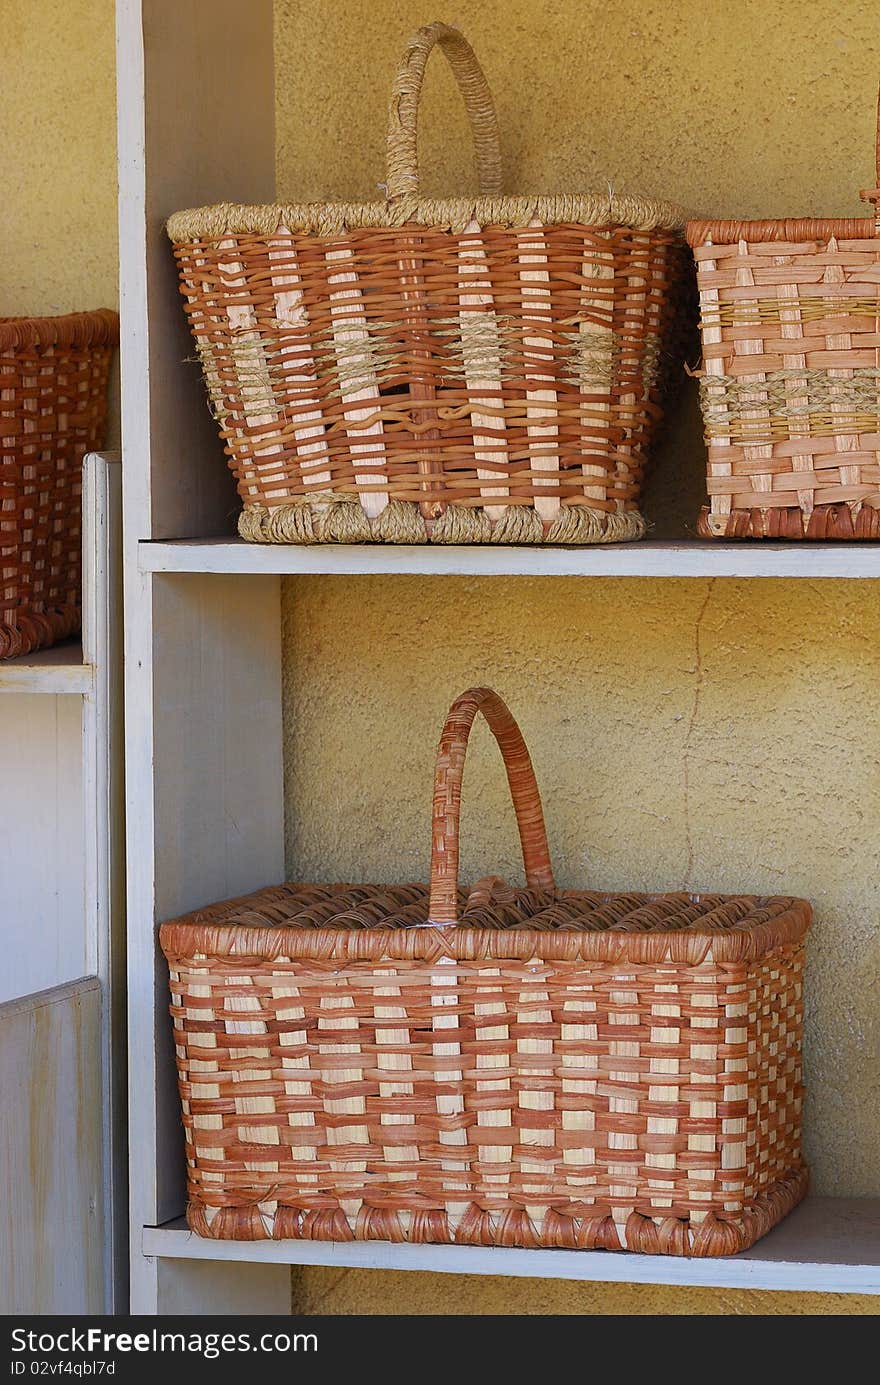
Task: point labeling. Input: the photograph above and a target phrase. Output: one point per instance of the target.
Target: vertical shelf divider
(204, 801)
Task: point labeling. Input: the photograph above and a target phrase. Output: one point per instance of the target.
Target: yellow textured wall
(716, 734)
(58, 160)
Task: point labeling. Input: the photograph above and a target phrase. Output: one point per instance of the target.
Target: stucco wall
(718, 734)
(58, 160)
(745, 756)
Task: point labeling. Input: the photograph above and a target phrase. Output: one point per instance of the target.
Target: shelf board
(827, 1245)
(650, 558)
(56, 670)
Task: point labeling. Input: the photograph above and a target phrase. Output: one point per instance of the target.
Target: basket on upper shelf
(512, 1067)
(790, 385)
(470, 370)
(53, 410)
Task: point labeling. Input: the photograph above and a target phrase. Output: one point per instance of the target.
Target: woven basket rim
(236, 939)
(333, 218)
(98, 327)
(723, 232)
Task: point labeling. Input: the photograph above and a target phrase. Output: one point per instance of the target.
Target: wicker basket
(481, 370)
(53, 409)
(519, 1067)
(790, 389)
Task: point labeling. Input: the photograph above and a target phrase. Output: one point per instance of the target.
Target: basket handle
(873, 194)
(402, 160)
(443, 905)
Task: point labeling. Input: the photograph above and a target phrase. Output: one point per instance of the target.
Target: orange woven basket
(790, 387)
(512, 1067)
(470, 370)
(53, 410)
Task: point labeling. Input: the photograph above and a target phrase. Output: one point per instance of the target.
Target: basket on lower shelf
(511, 1067)
(53, 410)
(790, 386)
(488, 369)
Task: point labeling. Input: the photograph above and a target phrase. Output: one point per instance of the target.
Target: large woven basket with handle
(790, 386)
(518, 1067)
(470, 370)
(53, 410)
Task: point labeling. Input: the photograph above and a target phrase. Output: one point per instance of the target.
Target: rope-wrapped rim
(98, 328)
(404, 203)
(270, 926)
(448, 214)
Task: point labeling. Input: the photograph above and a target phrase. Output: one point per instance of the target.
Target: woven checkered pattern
(345, 1076)
(790, 387)
(53, 409)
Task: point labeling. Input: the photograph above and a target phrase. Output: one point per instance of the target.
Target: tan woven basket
(519, 1067)
(790, 389)
(483, 370)
(53, 409)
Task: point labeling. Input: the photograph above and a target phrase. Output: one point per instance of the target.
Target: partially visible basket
(471, 370)
(53, 409)
(790, 386)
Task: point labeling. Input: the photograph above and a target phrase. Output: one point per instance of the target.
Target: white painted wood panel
(196, 123)
(219, 798)
(43, 929)
(199, 1288)
(217, 705)
(102, 831)
(203, 778)
(646, 559)
(51, 1186)
(205, 820)
(828, 1245)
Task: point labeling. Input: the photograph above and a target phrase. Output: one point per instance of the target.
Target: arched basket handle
(443, 906)
(402, 159)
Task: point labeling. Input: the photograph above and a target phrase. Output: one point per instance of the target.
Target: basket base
(827, 523)
(573, 1229)
(342, 519)
(32, 631)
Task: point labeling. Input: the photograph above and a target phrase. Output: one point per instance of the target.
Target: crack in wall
(687, 883)
(303, 1301)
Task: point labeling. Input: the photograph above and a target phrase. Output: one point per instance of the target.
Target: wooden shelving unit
(54, 810)
(204, 785)
(61, 832)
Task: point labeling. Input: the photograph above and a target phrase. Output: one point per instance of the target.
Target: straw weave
(53, 409)
(790, 386)
(458, 371)
(531, 1067)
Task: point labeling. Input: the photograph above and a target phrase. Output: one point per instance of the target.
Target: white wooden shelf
(652, 558)
(826, 1245)
(57, 670)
